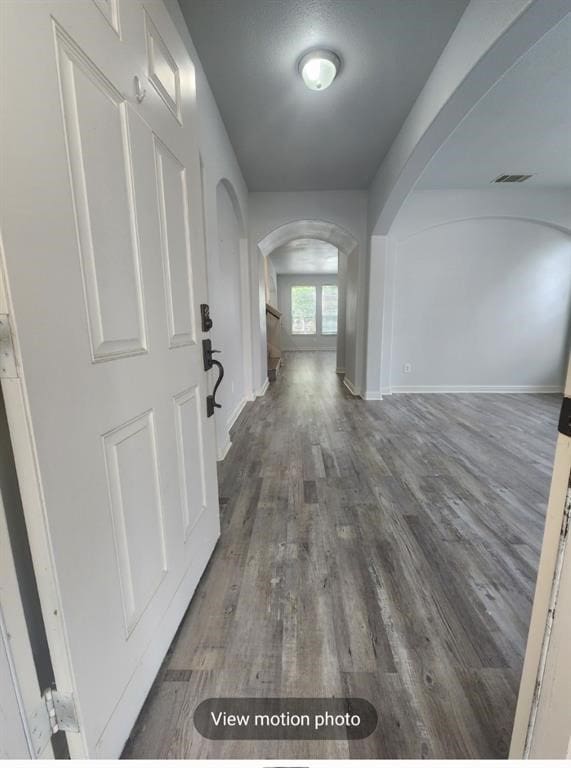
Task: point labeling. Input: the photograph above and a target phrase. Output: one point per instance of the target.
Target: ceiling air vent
(510, 178)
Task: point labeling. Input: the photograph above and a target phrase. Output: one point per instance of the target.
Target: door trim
(25, 459)
(522, 732)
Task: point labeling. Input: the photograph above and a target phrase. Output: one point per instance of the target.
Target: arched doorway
(229, 297)
(349, 330)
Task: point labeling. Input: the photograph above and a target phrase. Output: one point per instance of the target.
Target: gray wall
(308, 343)
(482, 303)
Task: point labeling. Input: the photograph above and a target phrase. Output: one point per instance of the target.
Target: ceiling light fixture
(319, 69)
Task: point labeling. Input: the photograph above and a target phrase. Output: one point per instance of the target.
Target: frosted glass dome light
(319, 69)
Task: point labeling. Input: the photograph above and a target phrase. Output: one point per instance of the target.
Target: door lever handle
(209, 361)
(207, 353)
(211, 403)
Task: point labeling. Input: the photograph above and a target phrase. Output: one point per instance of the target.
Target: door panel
(190, 460)
(102, 180)
(133, 482)
(109, 9)
(104, 290)
(163, 71)
(173, 211)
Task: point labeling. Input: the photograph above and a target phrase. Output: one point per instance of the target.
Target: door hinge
(565, 417)
(56, 712)
(8, 369)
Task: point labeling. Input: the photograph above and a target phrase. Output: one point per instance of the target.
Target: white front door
(104, 272)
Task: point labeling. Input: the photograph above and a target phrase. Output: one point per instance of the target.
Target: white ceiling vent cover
(510, 178)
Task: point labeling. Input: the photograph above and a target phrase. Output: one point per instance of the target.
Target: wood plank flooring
(384, 550)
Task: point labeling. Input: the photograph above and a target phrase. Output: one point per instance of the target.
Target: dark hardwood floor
(386, 550)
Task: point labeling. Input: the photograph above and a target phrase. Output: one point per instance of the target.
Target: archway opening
(302, 283)
(309, 256)
(228, 296)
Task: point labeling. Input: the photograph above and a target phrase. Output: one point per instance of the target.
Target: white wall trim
(351, 387)
(311, 351)
(488, 40)
(476, 388)
(340, 370)
(388, 323)
(341, 308)
(246, 305)
(235, 413)
(524, 733)
(223, 452)
(542, 222)
(263, 389)
(332, 233)
(373, 395)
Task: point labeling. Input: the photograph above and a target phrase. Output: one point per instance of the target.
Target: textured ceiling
(522, 125)
(287, 137)
(305, 256)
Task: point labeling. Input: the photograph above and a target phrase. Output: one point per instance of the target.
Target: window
(329, 310)
(303, 310)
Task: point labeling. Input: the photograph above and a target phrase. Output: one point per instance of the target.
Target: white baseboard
(235, 413)
(263, 389)
(223, 452)
(476, 388)
(297, 349)
(340, 370)
(351, 387)
(373, 395)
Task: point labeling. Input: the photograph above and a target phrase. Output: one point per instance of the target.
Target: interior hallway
(378, 549)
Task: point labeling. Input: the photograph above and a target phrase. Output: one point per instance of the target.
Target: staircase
(273, 334)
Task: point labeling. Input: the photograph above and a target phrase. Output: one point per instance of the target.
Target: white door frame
(535, 655)
(17, 414)
(21, 695)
